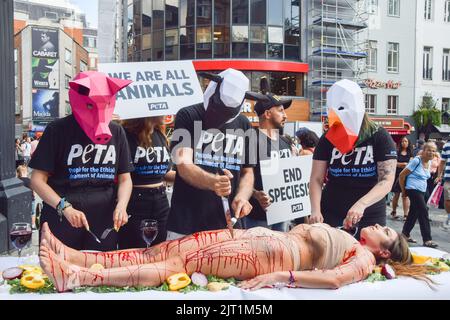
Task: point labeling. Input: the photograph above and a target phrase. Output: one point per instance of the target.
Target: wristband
(63, 204)
(291, 278)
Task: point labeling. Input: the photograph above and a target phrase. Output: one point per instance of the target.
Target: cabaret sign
(376, 84)
(158, 88)
(286, 182)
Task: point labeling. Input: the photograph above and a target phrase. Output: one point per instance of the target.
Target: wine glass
(149, 229)
(20, 235)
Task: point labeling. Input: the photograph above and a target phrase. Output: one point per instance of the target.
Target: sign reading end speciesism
(286, 181)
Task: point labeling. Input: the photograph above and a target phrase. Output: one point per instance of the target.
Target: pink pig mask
(92, 96)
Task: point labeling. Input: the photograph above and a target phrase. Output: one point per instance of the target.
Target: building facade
(433, 52)
(259, 37)
(112, 17)
(48, 53)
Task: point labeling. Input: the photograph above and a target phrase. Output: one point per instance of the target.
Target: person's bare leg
(395, 204)
(406, 203)
(123, 258)
(242, 259)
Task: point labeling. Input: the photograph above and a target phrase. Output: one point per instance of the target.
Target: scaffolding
(337, 48)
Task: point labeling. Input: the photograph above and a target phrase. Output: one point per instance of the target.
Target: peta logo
(359, 156)
(153, 154)
(231, 144)
(158, 106)
(298, 207)
(101, 153)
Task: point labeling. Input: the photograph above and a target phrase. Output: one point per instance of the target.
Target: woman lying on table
(308, 256)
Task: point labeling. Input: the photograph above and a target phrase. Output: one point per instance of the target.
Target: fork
(108, 230)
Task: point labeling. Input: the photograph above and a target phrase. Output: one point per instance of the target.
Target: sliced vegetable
(178, 281)
(388, 271)
(217, 286)
(12, 273)
(199, 279)
(33, 281)
(417, 259)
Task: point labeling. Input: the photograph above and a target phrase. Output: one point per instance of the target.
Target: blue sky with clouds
(90, 8)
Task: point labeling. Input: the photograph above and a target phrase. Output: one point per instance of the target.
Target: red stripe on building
(251, 65)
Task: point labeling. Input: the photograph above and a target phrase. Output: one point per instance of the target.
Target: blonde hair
(429, 144)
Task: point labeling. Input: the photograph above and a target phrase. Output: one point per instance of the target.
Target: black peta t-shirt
(267, 149)
(72, 160)
(195, 209)
(150, 164)
(358, 168)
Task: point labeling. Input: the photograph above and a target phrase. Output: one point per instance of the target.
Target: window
(240, 33)
(445, 104)
(286, 83)
(258, 34)
(93, 63)
(171, 13)
(258, 12)
(428, 12)
(447, 11)
(275, 12)
(240, 12)
(427, 71)
(371, 103)
(275, 35)
(393, 53)
(222, 12)
(392, 107)
(240, 50)
(68, 56)
(203, 34)
(137, 17)
(372, 56)
(187, 12)
(158, 15)
(83, 66)
(372, 6)
(51, 15)
(291, 22)
(146, 17)
(258, 50)
(275, 51)
(394, 8)
(204, 12)
(66, 81)
(446, 65)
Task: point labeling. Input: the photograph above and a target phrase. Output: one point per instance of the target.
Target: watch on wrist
(63, 204)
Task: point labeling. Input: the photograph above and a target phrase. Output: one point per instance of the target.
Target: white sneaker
(446, 225)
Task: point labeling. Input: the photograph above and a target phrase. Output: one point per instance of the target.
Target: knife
(231, 221)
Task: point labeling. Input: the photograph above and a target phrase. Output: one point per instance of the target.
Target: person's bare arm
(241, 205)
(402, 179)
(199, 178)
(319, 169)
(386, 177)
(170, 176)
(441, 169)
(125, 186)
(356, 267)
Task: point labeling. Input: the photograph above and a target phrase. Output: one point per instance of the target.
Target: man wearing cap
(271, 145)
(210, 150)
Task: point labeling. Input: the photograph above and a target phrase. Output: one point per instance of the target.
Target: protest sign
(287, 187)
(158, 88)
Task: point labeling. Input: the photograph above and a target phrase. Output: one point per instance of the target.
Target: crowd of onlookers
(24, 149)
(415, 183)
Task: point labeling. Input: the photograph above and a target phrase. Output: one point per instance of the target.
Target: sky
(90, 8)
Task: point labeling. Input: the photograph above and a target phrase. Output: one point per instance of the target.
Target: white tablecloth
(401, 288)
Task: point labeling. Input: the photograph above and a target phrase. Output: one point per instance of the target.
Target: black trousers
(98, 205)
(145, 203)
(417, 210)
(335, 204)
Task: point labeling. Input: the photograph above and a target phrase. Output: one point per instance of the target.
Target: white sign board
(288, 187)
(158, 88)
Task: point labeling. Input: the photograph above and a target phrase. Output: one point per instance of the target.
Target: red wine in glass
(149, 229)
(20, 235)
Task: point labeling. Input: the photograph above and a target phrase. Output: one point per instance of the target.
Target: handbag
(435, 197)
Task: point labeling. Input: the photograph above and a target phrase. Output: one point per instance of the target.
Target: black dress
(400, 158)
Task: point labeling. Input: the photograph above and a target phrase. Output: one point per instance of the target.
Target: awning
(443, 128)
